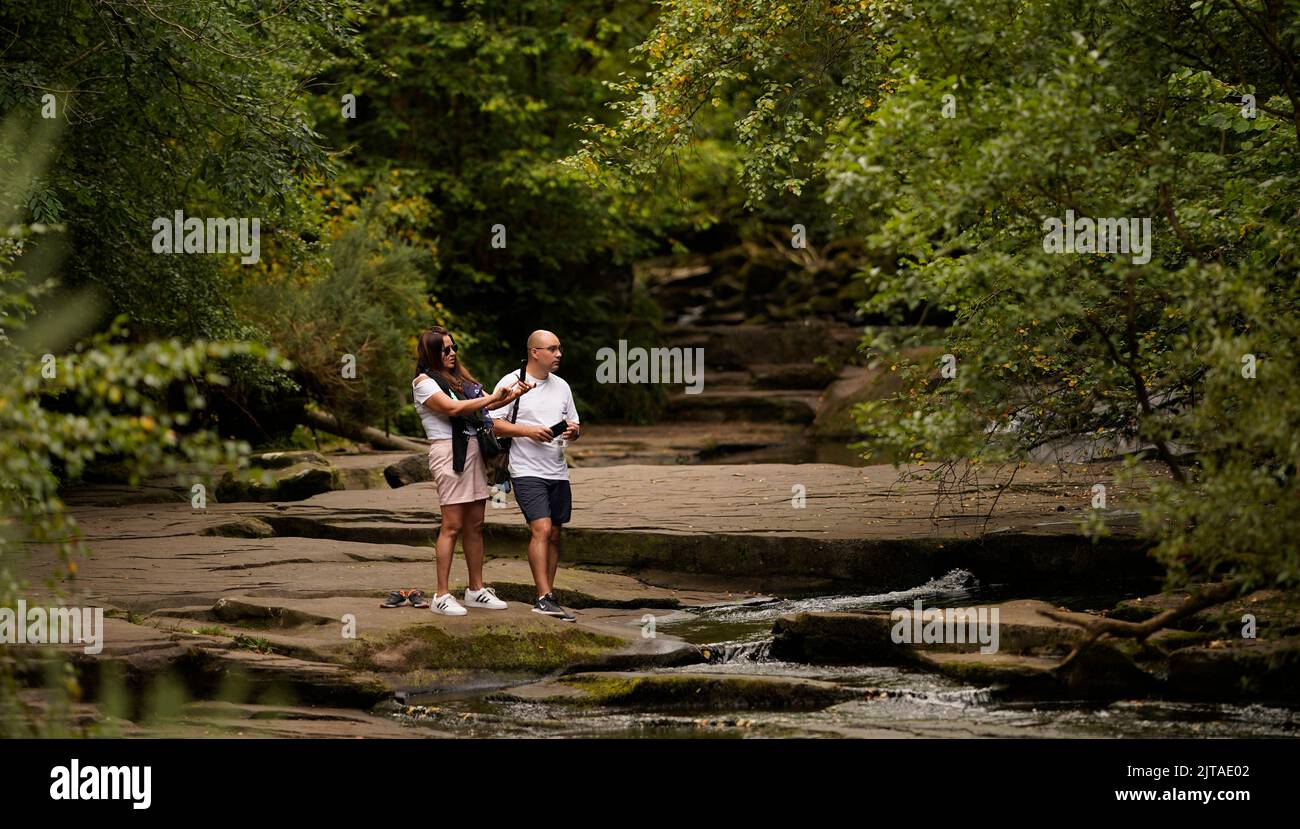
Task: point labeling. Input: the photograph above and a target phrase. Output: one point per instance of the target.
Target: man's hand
(540, 434)
(572, 432)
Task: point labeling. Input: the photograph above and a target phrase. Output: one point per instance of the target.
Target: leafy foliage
(101, 399)
(1107, 109)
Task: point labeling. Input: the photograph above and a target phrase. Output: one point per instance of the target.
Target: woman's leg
(471, 541)
(452, 521)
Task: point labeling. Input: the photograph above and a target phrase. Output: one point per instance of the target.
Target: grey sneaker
(547, 607)
(395, 599)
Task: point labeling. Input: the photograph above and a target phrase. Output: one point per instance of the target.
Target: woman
(450, 401)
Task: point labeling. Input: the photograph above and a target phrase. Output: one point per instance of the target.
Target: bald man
(539, 474)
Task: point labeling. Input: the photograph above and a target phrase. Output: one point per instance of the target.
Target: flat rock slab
(837, 502)
(145, 573)
(802, 521)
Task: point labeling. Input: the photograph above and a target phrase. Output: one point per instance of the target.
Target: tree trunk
(362, 434)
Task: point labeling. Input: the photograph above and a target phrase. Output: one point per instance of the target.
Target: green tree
(990, 117)
(470, 107)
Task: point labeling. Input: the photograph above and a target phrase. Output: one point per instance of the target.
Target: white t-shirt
(549, 402)
(436, 426)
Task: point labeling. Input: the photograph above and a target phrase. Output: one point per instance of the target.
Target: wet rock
(1104, 671)
(677, 691)
(660, 652)
(1259, 670)
(837, 638)
(867, 638)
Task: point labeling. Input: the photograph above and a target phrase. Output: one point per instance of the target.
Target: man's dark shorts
(543, 498)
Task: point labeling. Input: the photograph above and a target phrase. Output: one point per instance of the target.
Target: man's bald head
(542, 339)
(543, 353)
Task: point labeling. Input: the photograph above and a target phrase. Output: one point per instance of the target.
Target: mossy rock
(1276, 613)
(1257, 670)
(500, 648)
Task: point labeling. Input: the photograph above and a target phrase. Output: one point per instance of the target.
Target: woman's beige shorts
(469, 485)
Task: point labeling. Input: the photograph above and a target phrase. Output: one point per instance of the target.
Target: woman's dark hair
(429, 350)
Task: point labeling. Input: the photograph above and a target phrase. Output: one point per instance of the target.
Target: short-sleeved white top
(549, 402)
(436, 426)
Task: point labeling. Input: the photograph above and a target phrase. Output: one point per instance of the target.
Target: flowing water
(886, 701)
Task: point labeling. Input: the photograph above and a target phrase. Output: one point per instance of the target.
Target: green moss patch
(493, 648)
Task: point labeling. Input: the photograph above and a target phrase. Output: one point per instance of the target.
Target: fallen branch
(1100, 626)
(362, 434)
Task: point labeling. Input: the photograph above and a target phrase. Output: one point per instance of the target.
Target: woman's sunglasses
(449, 349)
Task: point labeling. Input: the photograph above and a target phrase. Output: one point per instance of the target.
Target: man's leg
(538, 554)
(553, 553)
(561, 504)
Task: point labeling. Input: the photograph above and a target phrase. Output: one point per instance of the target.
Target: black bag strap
(514, 410)
(459, 440)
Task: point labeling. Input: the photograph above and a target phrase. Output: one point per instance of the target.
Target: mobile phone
(559, 429)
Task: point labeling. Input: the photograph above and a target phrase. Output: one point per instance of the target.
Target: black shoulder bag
(498, 468)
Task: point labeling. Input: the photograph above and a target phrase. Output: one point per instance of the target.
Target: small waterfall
(722, 653)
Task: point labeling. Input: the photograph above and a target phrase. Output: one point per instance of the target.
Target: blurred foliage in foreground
(63, 407)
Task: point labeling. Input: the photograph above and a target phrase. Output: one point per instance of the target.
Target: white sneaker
(447, 605)
(487, 597)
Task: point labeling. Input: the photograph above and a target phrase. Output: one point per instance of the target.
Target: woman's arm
(441, 403)
(516, 391)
